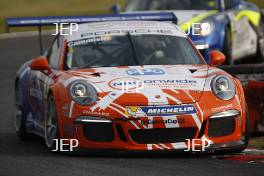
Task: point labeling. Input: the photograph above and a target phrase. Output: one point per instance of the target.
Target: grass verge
(257, 142)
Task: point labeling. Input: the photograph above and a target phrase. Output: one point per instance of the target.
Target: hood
(138, 85)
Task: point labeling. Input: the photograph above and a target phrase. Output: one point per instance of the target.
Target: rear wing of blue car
(49, 21)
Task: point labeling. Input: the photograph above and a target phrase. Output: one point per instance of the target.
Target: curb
(253, 151)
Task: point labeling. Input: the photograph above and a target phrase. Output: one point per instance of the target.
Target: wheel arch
(242, 99)
(55, 92)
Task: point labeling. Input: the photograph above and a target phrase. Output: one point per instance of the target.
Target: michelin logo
(137, 111)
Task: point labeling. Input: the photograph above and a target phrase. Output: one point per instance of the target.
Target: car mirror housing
(217, 58)
(40, 64)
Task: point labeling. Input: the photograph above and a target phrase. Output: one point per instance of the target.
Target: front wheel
(51, 123)
(20, 119)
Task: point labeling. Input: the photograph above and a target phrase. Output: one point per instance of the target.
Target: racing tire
(260, 50)
(51, 131)
(228, 47)
(20, 118)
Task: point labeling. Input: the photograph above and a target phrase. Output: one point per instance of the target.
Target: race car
(136, 85)
(236, 27)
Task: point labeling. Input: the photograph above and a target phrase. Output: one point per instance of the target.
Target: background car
(76, 90)
(236, 26)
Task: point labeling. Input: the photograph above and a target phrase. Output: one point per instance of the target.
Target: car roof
(89, 30)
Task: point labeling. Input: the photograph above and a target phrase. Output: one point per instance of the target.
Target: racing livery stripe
(253, 16)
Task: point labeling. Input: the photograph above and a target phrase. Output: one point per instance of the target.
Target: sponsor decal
(134, 83)
(167, 121)
(221, 108)
(89, 40)
(171, 81)
(126, 84)
(124, 32)
(143, 111)
(147, 71)
(86, 112)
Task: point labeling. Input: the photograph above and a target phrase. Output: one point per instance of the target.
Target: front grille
(99, 132)
(162, 135)
(221, 126)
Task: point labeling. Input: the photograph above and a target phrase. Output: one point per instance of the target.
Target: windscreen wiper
(133, 48)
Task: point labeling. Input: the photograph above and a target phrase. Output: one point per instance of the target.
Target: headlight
(83, 93)
(204, 28)
(223, 87)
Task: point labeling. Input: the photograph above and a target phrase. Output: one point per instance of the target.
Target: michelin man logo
(135, 111)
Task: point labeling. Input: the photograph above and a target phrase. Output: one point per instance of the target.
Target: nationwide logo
(126, 83)
(134, 83)
(143, 111)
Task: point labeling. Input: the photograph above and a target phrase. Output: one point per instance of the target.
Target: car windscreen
(144, 5)
(131, 50)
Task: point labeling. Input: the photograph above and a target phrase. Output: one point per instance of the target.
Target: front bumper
(122, 134)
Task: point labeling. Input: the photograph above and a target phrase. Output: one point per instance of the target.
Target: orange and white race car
(131, 85)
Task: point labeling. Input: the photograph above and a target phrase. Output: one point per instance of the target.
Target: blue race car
(236, 26)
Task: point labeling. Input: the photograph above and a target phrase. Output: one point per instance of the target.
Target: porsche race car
(236, 27)
(137, 85)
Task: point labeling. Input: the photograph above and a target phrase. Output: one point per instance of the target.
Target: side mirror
(40, 64)
(217, 58)
(116, 8)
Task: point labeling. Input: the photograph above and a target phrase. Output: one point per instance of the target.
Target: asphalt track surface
(32, 158)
